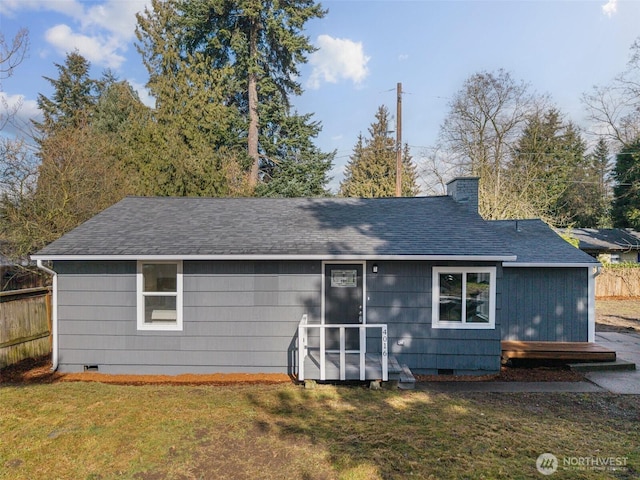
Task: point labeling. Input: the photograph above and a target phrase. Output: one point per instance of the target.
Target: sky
(365, 48)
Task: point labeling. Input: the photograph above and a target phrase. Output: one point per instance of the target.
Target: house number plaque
(344, 278)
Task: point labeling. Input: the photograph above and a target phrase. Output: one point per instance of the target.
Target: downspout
(595, 271)
(54, 315)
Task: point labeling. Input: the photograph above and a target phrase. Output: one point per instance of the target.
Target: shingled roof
(535, 243)
(602, 240)
(189, 227)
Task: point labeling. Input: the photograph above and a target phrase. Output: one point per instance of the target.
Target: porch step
(393, 366)
(407, 381)
(618, 365)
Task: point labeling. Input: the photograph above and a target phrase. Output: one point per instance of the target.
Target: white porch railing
(303, 347)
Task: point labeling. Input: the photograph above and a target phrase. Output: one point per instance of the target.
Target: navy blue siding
(400, 296)
(546, 304)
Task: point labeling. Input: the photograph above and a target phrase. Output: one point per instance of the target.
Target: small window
(159, 295)
(464, 297)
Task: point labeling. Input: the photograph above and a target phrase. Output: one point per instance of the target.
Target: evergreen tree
(294, 166)
(82, 147)
(548, 169)
(597, 189)
(371, 171)
(252, 48)
(626, 204)
(73, 99)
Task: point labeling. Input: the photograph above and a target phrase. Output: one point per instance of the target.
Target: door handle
(360, 314)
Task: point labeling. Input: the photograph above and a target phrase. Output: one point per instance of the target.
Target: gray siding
(400, 296)
(243, 317)
(545, 304)
(237, 317)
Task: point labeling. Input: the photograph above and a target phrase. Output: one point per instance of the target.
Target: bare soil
(618, 315)
(37, 371)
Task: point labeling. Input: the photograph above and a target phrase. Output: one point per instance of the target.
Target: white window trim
(140, 294)
(463, 325)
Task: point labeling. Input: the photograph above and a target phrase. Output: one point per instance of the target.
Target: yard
(618, 315)
(80, 430)
(94, 430)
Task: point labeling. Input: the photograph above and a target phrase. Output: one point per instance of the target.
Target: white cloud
(403, 57)
(115, 16)
(100, 31)
(67, 7)
(610, 8)
(96, 49)
(337, 59)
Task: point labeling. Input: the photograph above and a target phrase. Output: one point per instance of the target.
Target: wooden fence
(25, 324)
(618, 282)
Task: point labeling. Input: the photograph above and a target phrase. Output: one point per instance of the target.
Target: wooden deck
(574, 351)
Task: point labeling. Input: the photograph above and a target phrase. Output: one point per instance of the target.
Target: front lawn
(94, 431)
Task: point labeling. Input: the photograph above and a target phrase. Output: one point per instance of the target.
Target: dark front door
(343, 302)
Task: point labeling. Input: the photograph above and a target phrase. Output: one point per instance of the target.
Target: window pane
(478, 297)
(160, 310)
(160, 277)
(451, 297)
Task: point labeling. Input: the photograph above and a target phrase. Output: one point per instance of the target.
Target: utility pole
(399, 142)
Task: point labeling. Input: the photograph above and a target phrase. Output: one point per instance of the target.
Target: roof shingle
(164, 226)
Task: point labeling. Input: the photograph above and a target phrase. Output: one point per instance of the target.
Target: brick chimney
(464, 190)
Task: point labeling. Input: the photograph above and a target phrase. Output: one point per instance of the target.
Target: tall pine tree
(547, 172)
(254, 46)
(626, 204)
(371, 171)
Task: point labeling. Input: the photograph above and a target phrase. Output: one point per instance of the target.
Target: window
(464, 297)
(159, 287)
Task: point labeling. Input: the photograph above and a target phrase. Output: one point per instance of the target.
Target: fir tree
(74, 96)
(371, 171)
(626, 205)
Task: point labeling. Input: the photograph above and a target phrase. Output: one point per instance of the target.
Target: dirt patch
(525, 372)
(185, 379)
(39, 371)
(31, 370)
(618, 315)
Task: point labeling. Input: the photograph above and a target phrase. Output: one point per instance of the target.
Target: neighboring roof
(191, 227)
(606, 239)
(535, 243)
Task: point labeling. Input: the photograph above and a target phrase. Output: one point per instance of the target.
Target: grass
(618, 314)
(629, 308)
(96, 431)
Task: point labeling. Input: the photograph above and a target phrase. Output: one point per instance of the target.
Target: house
(609, 245)
(322, 288)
